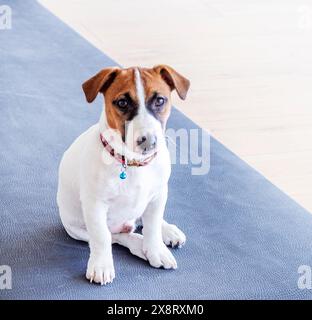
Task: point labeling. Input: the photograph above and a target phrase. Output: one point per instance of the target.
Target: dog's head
(137, 98)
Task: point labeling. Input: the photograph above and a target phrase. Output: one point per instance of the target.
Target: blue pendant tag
(123, 175)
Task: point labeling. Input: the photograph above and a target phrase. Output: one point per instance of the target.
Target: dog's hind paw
(172, 235)
(160, 256)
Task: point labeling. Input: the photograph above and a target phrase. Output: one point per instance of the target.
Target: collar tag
(123, 174)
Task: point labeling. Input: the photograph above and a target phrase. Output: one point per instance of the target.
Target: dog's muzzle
(147, 142)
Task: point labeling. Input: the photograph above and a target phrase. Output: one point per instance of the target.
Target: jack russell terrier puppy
(117, 171)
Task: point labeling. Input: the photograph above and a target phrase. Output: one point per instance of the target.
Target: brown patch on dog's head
(118, 88)
(158, 83)
(120, 92)
(174, 79)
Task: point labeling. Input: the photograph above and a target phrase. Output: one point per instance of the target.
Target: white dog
(118, 170)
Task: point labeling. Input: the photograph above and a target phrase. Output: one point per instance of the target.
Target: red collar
(121, 158)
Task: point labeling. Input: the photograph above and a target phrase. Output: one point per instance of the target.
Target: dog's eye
(122, 103)
(160, 101)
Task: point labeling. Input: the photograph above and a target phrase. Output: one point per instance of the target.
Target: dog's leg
(154, 249)
(132, 241)
(100, 265)
(172, 235)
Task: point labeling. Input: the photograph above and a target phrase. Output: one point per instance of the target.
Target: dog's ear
(99, 83)
(174, 79)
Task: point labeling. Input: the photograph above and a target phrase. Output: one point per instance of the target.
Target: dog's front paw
(160, 256)
(100, 270)
(173, 236)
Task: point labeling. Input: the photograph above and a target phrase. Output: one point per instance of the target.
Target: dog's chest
(129, 204)
(130, 197)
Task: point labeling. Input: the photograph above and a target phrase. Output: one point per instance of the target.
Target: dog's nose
(147, 142)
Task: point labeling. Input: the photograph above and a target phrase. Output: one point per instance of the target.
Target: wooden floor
(249, 61)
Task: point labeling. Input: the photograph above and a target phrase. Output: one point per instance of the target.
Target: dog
(117, 171)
